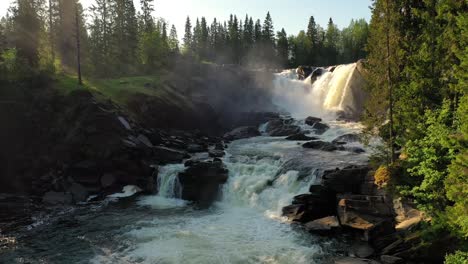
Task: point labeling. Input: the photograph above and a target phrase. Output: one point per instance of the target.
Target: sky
(292, 15)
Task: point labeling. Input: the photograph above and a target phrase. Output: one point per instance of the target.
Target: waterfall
(334, 92)
(169, 189)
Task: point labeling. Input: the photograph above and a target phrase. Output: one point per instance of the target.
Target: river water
(244, 226)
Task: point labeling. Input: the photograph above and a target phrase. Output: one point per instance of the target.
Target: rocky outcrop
(282, 128)
(201, 181)
(321, 145)
(300, 137)
(241, 133)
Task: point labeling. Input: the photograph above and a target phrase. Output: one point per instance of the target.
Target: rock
(346, 180)
(168, 155)
(79, 193)
(368, 226)
(300, 137)
(57, 198)
(323, 225)
(362, 250)
(351, 260)
(348, 138)
(304, 71)
(254, 119)
(215, 153)
(201, 182)
(281, 128)
(195, 148)
(124, 122)
(320, 128)
(143, 139)
(321, 145)
(356, 150)
(309, 207)
(312, 120)
(107, 180)
(387, 259)
(241, 133)
(316, 74)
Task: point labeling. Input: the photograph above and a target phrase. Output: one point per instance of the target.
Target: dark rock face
(321, 145)
(282, 128)
(300, 137)
(201, 181)
(316, 74)
(241, 133)
(304, 71)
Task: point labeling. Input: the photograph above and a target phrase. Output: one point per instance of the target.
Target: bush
(458, 257)
(382, 176)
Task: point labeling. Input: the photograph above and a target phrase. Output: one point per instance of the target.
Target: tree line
(115, 39)
(417, 72)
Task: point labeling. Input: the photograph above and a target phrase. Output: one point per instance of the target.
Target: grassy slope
(120, 89)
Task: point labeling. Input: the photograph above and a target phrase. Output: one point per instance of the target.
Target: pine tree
(188, 37)
(283, 48)
(332, 38)
(173, 40)
(312, 36)
(27, 27)
(258, 31)
(268, 30)
(147, 8)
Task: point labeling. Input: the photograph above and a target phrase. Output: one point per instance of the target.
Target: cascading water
(246, 225)
(337, 91)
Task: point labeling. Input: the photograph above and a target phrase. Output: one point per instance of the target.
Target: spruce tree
(188, 37)
(283, 48)
(173, 40)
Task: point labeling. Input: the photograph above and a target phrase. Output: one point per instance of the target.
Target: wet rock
(195, 148)
(309, 207)
(356, 150)
(79, 193)
(215, 153)
(312, 120)
(282, 128)
(300, 137)
(387, 259)
(201, 182)
(323, 225)
(321, 145)
(316, 74)
(346, 180)
(57, 198)
(124, 122)
(348, 138)
(144, 140)
(107, 180)
(304, 71)
(320, 128)
(241, 133)
(254, 119)
(362, 250)
(168, 155)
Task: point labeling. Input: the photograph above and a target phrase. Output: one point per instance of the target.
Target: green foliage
(458, 257)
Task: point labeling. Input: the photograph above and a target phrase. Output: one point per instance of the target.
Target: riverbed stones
(324, 225)
(347, 138)
(57, 198)
(311, 120)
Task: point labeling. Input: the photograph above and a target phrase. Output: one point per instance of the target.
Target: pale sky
(293, 15)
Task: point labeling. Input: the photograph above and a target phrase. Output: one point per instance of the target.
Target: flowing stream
(244, 226)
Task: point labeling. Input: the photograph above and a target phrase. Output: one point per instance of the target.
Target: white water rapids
(245, 225)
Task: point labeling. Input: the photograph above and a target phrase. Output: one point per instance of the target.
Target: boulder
(348, 138)
(320, 128)
(281, 128)
(300, 137)
(165, 155)
(241, 133)
(195, 148)
(316, 74)
(309, 207)
(321, 145)
(323, 225)
(78, 192)
(362, 250)
(201, 181)
(346, 180)
(312, 120)
(304, 71)
(356, 150)
(216, 153)
(57, 198)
